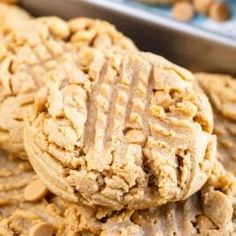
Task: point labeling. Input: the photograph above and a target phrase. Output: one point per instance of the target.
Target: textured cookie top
(221, 90)
(30, 52)
(124, 132)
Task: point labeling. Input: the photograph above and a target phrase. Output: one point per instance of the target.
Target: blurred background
(218, 16)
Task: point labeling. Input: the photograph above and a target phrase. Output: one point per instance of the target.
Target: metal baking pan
(181, 43)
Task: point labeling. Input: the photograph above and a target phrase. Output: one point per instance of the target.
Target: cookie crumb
(35, 191)
(183, 11)
(135, 136)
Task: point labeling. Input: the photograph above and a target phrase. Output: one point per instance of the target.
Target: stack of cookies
(99, 138)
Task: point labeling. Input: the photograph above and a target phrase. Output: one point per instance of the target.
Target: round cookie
(33, 50)
(222, 96)
(128, 132)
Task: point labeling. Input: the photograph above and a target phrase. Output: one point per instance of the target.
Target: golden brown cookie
(221, 90)
(30, 52)
(131, 134)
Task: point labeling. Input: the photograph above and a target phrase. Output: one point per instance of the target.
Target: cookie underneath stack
(27, 210)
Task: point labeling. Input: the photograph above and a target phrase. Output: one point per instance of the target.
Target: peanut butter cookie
(131, 132)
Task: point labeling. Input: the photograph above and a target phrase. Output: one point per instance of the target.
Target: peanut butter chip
(36, 190)
(41, 229)
(219, 11)
(183, 11)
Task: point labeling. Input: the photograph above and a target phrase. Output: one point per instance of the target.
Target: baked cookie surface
(128, 133)
(30, 52)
